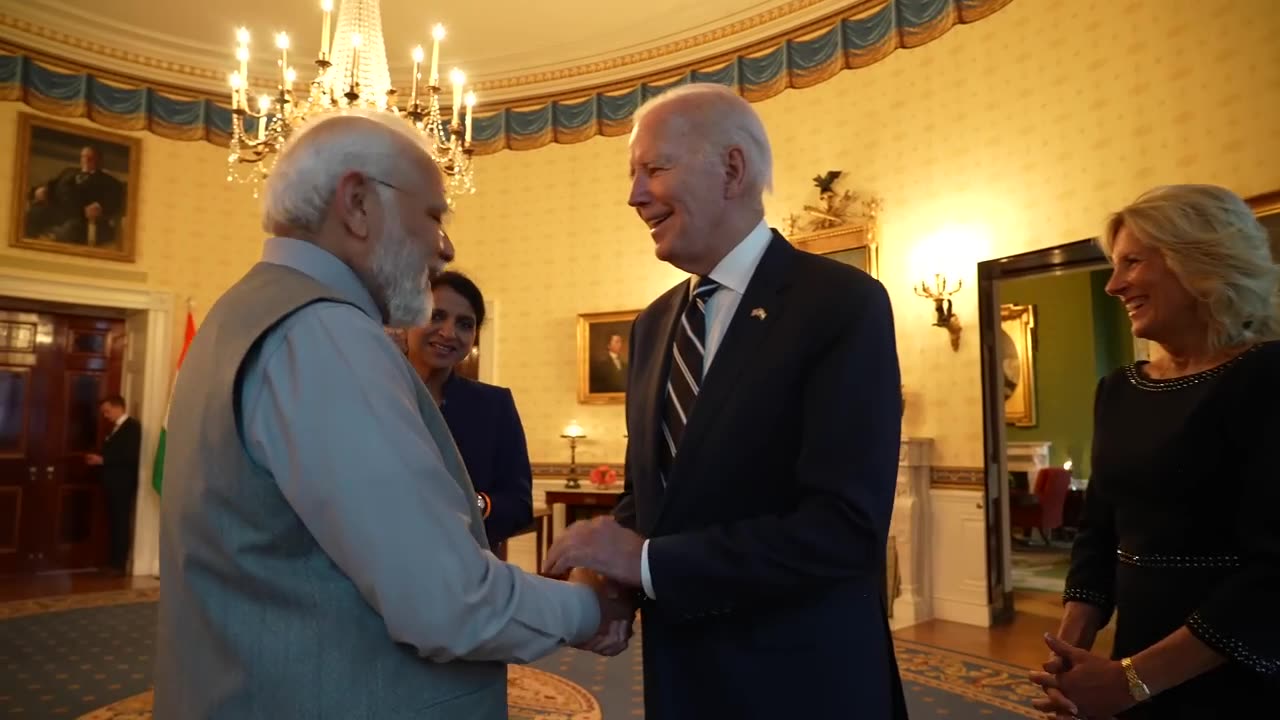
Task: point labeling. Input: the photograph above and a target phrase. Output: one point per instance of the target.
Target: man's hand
(1084, 684)
(92, 459)
(599, 544)
(93, 211)
(41, 194)
(617, 614)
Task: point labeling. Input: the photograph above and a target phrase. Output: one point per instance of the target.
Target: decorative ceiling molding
(863, 34)
(76, 35)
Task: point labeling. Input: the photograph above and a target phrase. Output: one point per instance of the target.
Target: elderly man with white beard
(321, 552)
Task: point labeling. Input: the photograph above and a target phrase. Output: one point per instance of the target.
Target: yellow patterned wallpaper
(1015, 133)
(196, 233)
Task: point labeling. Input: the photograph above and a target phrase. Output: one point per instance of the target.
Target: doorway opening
(64, 346)
(1049, 332)
(57, 363)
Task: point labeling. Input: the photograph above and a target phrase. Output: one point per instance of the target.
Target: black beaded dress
(1181, 526)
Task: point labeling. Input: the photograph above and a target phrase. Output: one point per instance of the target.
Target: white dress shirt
(734, 273)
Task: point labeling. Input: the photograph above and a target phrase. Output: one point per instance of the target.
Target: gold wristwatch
(1137, 689)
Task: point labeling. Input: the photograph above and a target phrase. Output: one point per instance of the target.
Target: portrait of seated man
(80, 205)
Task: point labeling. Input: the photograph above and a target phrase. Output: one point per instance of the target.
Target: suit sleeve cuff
(645, 578)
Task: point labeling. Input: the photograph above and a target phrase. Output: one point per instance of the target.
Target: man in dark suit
(119, 461)
(763, 417)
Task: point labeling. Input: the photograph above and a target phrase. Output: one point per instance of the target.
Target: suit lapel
(439, 431)
(654, 387)
(760, 308)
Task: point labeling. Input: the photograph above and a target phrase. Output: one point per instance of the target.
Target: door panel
(54, 370)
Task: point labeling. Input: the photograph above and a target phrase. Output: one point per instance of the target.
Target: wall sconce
(941, 297)
(574, 432)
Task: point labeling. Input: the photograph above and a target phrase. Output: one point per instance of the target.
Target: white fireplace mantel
(1027, 457)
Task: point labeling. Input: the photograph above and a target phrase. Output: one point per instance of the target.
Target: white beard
(401, 272)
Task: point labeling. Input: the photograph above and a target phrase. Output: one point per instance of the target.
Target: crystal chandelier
(352, 73)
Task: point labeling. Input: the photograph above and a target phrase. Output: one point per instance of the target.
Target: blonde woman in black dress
(1181, 530)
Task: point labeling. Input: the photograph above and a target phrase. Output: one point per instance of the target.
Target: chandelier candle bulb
(457, 77)
(264, 104)
(282, 42)
(417, 61)
(471, 103)
(327, 7)
(235, 91)
(242, 54)
(437, 34)
(355, 60)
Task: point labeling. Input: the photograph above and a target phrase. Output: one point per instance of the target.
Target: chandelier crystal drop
(351, 72)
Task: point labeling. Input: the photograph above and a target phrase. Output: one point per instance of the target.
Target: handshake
(606, 557)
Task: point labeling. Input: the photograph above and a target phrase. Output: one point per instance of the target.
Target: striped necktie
(685, 379)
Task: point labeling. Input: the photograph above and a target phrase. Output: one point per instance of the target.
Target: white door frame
(157, 367)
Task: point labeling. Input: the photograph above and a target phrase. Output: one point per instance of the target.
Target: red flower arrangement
(604, 476)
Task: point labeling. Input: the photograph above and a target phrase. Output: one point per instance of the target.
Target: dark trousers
(120, 501)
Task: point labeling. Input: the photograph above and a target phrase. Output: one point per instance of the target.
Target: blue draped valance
(869, 33)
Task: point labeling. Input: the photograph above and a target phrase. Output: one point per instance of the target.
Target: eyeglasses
(443, 233)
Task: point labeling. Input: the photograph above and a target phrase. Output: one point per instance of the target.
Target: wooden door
(54, 370)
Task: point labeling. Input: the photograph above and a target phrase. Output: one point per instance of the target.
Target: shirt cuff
(645, 578)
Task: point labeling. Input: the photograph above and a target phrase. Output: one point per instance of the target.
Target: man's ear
(735, 173)
(350, 201)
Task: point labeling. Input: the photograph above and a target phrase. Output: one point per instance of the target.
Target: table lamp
(574, 432)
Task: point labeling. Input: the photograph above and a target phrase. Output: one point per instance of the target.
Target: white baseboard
(961, 612)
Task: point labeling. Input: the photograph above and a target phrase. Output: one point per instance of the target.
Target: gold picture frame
(850, 244)
(1016, 347)
(603, 356)
(67, 203)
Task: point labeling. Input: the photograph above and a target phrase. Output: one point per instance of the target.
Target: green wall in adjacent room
(1081, 334)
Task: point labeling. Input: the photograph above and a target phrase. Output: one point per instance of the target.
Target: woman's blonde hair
(1215, 246)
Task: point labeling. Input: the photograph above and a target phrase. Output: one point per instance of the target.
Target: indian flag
(157, 469)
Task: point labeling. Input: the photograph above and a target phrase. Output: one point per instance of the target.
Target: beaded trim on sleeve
(1230, 647)
(1136, 379)
(1178, 561)
(1074, 594)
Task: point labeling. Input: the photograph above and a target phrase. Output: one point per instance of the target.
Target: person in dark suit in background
(119, 461)
(763, 417)
(482, 418)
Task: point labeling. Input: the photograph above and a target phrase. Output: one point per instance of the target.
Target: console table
(582, 504)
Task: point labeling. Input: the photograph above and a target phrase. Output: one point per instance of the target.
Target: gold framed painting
(75, 190)
(1017, 353)
(602, 356)
(850, 244)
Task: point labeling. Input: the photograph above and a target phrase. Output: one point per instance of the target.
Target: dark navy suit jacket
(490, 438)
(767, 541)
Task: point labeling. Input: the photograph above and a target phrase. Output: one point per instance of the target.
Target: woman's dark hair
(462, 285)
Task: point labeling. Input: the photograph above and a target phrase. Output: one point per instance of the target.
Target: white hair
(1215, 246)
(306, 174)
(723, 118)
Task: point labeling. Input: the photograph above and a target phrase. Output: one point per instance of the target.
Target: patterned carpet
(90, 657)
(1041, 568)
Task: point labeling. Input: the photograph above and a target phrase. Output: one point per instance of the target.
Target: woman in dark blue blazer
(482, 417)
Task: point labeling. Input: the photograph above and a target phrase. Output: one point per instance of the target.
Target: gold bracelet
(1137, 689)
